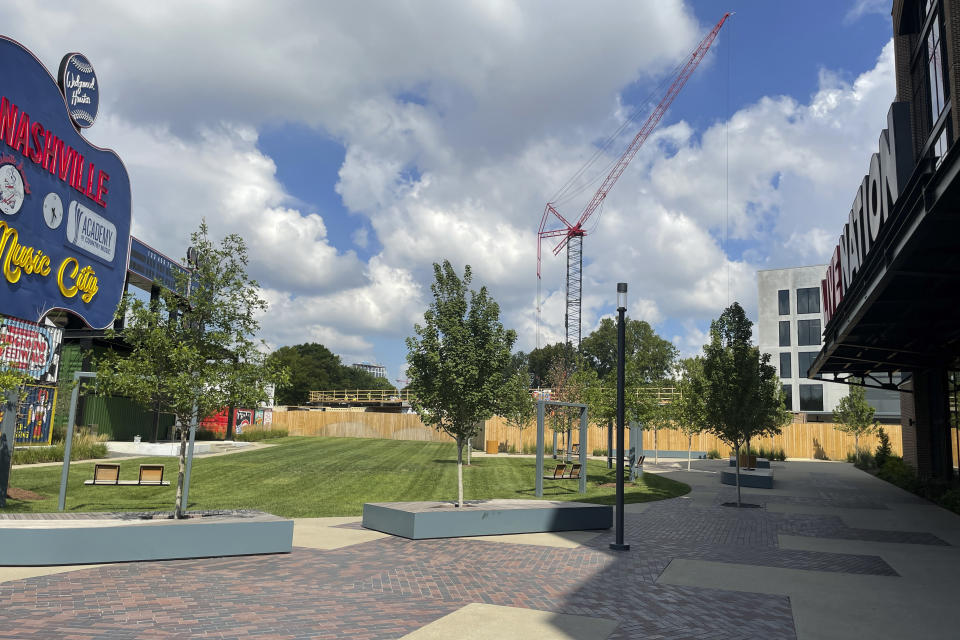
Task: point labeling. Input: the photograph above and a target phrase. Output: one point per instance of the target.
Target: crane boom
(572, 234)
(678, 83)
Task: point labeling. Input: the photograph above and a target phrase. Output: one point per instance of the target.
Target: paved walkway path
(831, 553)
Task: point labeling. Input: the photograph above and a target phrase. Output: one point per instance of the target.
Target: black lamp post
(621, 340)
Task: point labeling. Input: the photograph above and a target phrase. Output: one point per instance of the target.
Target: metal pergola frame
(541, 410)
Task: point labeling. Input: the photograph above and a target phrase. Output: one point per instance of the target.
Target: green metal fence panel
(71, 360)
(121, 418)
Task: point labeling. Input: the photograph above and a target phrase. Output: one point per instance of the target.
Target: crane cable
(568, 191)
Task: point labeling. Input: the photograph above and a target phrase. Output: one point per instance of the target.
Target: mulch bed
(22, 494)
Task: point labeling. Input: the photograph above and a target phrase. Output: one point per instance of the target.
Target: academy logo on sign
(64, 203)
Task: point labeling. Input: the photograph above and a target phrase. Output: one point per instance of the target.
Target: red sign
(28, 347)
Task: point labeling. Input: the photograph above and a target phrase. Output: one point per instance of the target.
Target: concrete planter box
(95, 540)
(753, 478)
(420, 520)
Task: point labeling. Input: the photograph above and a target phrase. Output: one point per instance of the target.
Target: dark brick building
(893, 287)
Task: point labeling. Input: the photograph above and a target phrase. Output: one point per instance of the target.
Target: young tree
(192, 351)
(458, 359)
(854, 415)
(600, 396)
(742, 391)
(690, 410)
(518, 407)
(563, 388)
(659, 416)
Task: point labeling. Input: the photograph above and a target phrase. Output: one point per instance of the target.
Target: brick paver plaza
(808, 531)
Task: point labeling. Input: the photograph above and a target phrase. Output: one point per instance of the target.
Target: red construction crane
(572, 234)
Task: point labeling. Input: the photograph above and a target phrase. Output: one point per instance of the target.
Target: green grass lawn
(312, 477)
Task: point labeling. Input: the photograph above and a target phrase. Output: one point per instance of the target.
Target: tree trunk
(656, 447)
(156, 420)
(469, 451)
(177, 512)
(459, 473)
(689, 450)
(610, 443)
(736, 448)
(856, 444)
(231, 418)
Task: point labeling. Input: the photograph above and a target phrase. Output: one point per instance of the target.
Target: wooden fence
(799, 440)
(356, 424)
(818, 440)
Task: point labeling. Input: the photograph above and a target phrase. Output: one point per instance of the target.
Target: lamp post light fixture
(621, 340)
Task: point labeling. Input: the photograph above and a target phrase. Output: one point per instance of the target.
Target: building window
(808, 332)
(808, 300)
(804, 360)
(784, 333)
(940, 147)
(785, 365)
(783, 301)
(811, 397)
(788, 396)
(935, 70)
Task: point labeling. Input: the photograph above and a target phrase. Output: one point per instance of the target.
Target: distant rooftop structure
(376, 370)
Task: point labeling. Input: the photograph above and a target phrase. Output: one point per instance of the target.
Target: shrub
(769, 454)
(256, 436)
(58, 432)
(950, 500)
(898, 472)
(884, 450)
(863, 459)
(713, 454)
(599, 453)
(83, 447)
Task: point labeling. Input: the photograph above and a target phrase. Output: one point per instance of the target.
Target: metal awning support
(873, 380)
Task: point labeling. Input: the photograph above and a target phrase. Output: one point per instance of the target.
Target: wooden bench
(560, 473)
(557, 473)
(151, 475)
(105, 474)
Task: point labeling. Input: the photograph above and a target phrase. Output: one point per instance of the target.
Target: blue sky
(353, 148)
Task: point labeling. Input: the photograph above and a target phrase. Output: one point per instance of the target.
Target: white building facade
(790, 329)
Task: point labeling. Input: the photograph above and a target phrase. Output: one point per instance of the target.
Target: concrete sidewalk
(831, 553)
(917, 539)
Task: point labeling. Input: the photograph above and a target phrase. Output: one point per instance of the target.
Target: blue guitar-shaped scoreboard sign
(64, 204)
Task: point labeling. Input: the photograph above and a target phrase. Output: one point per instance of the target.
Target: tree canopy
(313, 367)
(458, 359)
(651, 356)
(540, 361)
